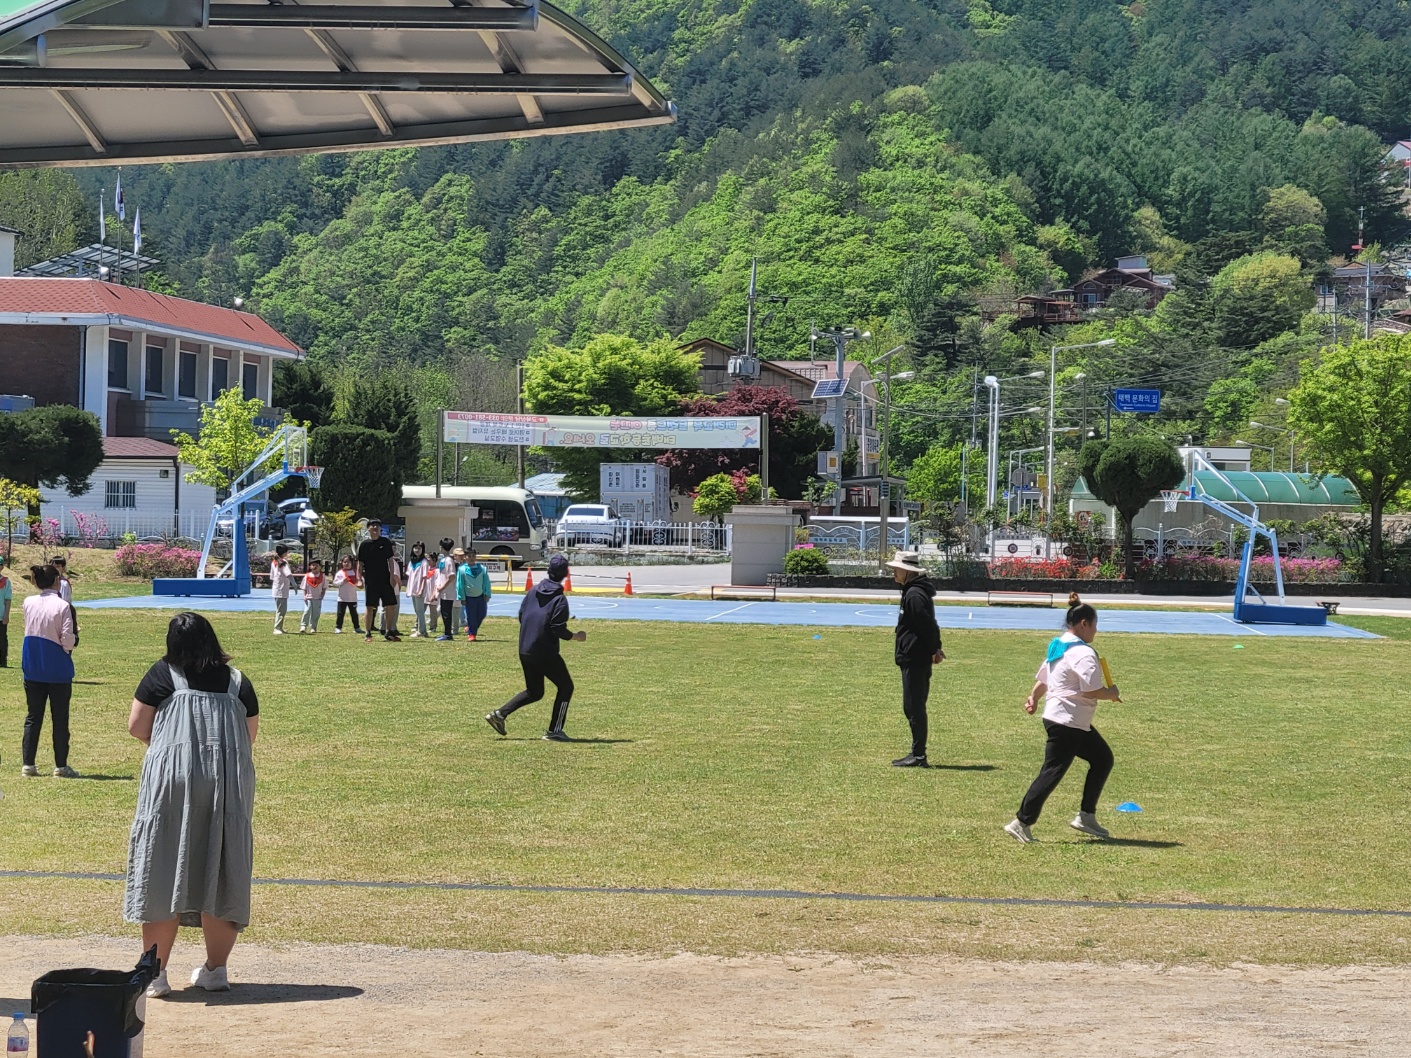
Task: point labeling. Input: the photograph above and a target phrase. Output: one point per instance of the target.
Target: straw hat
(458, 553)
(907, 560)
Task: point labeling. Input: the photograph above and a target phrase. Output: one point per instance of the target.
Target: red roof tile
(137, 448)
(87, 297)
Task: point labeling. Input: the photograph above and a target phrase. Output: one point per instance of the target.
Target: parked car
(290, 518)
(590, 523)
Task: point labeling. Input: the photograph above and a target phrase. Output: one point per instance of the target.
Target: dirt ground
(315, 1000)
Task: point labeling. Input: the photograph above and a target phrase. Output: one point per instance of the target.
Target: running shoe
(1087, 823)
(1019, 832)
(496, 721)
(211, 980)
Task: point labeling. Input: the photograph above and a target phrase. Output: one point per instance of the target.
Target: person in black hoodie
(918, 648)
(543, 621)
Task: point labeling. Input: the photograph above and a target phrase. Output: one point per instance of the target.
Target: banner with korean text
(586, 431)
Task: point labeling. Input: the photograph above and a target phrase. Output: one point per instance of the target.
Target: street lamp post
(1279, 429)
(840, 337)
(1266, 448)
(884, 463)
(992, 469)
(1052, 402)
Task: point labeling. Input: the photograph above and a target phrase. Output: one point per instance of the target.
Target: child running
(417, 569)
(473, 590)
(346, 582)
(315, 587)
(1071, 682)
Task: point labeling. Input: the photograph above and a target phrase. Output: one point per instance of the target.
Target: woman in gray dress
(191, 855)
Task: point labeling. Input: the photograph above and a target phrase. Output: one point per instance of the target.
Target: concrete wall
(761, 537)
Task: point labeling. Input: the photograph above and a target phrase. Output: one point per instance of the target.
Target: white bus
(498, 522)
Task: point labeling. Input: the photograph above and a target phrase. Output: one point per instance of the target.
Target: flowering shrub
(46, 533)
(1261, 569)
(156, 560)
(1033, 569)
(91, 528)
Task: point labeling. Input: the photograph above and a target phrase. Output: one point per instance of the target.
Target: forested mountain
(893, 163)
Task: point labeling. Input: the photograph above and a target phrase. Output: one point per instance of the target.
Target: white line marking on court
(1237, 624)
(742, 606)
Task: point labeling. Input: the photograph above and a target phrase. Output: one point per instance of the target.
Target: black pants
(915, 689)
(58, 696)
(448, 626)
(1065, 743)
(348, 608)
(5, 646)
(536, 670)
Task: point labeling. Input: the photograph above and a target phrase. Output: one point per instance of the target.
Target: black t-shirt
(374, 556)
(157, 686)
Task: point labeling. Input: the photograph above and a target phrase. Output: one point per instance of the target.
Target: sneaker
(1019, 832)
(338, 631)
(159, 987)
(1088, 824)
(556, 736)
(367, 638)
(443, 639)
(393, 637)
(911, 760)
(414, 635)
(29, 771)
(496, 721)
(68, 773)
(279, 631)
(211, 980)
(469, 638)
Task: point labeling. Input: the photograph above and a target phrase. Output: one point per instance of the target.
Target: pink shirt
(47, 616)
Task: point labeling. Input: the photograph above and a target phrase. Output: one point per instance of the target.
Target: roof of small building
(137, 448)
(59, 298)
(814, 370)
(1265, 487)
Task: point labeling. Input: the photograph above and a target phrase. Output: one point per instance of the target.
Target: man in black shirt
(918, 648)
(375, 556)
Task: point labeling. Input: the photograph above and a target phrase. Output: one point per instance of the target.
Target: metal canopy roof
(100, 82)
(1265, 487)
(88, 260)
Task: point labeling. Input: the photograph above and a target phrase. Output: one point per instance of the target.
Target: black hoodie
(543, 619)
(918, 635)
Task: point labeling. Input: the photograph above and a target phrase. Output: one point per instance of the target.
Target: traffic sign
(885, 490)
(1139, 400)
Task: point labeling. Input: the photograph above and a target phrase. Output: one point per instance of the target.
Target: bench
(743, 591)
(1019, 598)
(1331, 607)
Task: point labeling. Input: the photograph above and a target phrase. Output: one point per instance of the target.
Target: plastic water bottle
(17, 1042)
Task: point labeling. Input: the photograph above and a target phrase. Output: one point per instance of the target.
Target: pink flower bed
(1261, 569)
(156, 560)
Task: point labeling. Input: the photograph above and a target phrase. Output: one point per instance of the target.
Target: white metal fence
(860, 537)
(105, 526)
(689, 537)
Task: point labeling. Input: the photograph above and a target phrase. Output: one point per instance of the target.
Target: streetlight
(884, 464)
(1053, 352)
(992, 467)
(1266, 448)
(1277, 429)
(840, 337)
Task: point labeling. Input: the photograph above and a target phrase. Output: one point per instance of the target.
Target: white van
(498, 522)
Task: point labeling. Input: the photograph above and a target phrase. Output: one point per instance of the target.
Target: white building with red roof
(143, 363)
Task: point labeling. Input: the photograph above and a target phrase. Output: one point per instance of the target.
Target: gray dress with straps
(192, 839)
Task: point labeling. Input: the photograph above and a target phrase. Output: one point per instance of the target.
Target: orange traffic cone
(528, 579)
(628, 590)
(567, 582)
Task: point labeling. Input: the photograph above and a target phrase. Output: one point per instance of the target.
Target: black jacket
(918, 635)
(543, 619)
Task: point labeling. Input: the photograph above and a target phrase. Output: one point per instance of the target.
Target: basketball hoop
(1171, 497)
(312, 475)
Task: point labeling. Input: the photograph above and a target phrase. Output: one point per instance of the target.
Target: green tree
(335, 531)
(611, 375)
(360, 470)
(16, 501)
(716, 497)
(1293, 223)
(1256, 297)
(228, 441)
(1352, 411)
(46, 207)
(934, 478)
(388, 404)
(1128, 473)
(48, 445)
(304, 391)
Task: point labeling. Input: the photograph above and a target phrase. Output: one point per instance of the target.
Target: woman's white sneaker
(211, 980)
(159, 987)
(1019, 832)
(1087, 823)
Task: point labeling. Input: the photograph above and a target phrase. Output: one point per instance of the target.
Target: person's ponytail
(1078, 611)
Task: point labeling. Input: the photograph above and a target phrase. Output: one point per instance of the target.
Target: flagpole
(102, 230)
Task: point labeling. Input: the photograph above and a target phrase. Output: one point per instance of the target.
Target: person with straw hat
(918, 649)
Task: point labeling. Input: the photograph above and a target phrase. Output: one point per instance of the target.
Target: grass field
(1271, 771)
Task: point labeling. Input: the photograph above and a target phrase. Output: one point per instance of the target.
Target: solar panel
(829, 387)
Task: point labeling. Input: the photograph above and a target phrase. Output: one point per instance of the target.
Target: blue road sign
(1144, 400)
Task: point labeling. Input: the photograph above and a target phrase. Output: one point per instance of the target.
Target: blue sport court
(826, 615)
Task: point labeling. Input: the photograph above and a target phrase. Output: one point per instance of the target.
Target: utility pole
(519, 407)
(749, 310)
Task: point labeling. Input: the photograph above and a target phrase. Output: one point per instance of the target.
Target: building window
(117, 364)
(186, 379)
(250, 376)
(155, 355)
(119, 494)
(220, 376)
